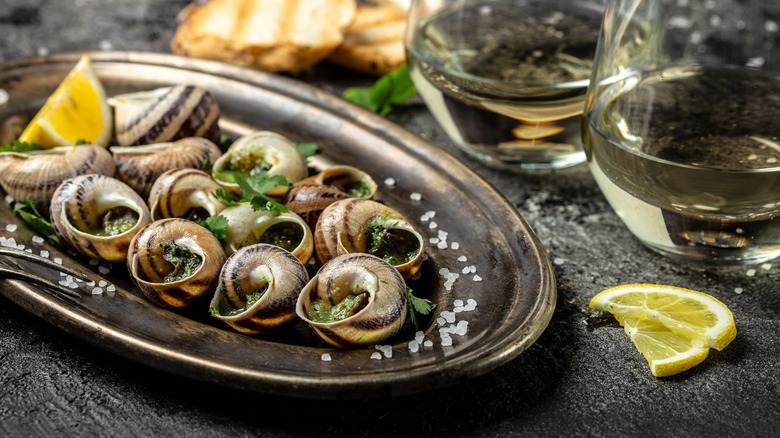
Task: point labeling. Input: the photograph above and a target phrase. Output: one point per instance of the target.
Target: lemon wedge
(666, 353)
(672, 327)
(77, 110)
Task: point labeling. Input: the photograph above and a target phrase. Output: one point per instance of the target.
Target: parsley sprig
(30, 215)
(20, 146)
(388, 92)
(421, 306)
(253, 190)
(218, 226)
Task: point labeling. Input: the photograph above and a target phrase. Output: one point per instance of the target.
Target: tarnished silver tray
(504, 290)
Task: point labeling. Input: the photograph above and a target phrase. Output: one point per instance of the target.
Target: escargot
(348, 179)
(165, 114)
(258, 288)
(175, 262)
(140, 166)
(98, 216)
(354, 300)
(262, 151)
(362, 225)
(309, 200)
(184, 193)
(36, 175)
(284, 229)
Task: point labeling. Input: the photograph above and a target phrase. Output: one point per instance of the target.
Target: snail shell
(262, 151)
(165, 114)
(140, 166)
(286, 229)
(376, 286)
(98, 216)
(36, 175)
(184, 193)
(309, 200)
(258, 288)
(362, 225)
(174, 262)
(350, 180)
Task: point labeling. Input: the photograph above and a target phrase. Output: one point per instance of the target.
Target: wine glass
(506, 79)
(682, 126)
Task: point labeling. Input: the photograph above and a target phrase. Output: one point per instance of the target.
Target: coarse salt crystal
(738, 290)
(446, 342)
(455, 245)
(441, 321)
(325, 357)
(463, 258)
(94, 262)
(766, 266)
(43, 51)
(390, 182)
(428, 343)
(91, 283)
(103, 270)
(102, 283)
(38, 239)
(376, 355)
(558, 261)
(106, 45)
(97, 291)
(58, 260)
(443, 235)
(465, 270)
(3, 97)
(9, 199)
(73, 285)
(10, 228)
(448, 316)
(11, 243)
(415, 196)
(457, 303)
(419, 336)
(442, 244)
(457, 309)
(44, 253)
(414, 346)
(477, 278)
(434, 240)
(111, 288)
(771, 26)
(750, 272)
(471, 302)
(20, 247)
(433, 225)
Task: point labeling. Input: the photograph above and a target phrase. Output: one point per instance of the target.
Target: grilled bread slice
(373, 43)
(272, 35)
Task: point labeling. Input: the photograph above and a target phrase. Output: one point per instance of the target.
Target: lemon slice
(666, 353)
(77, 110)
(687, 313)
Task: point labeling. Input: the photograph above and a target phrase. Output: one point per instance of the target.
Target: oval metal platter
(486, 271)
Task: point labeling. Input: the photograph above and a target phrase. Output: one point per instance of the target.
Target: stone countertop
(582, 377)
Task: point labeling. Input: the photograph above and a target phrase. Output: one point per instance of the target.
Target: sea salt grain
(455, 245)
(104, 270)
(738, 290)
(415, 196)
(38, 239)
(94, 262)
(766, 266)
(442, 244)
(477, 278)
(390, 182)
(58, 260)
(558, 261)
(325, 357)
(446, 342)
(3, 98)
(10, 228)
(428, 344)
(43, 51)
(97, 291)
(387, 350)
(463, 258)
(457, 303)
(419, 336)
(771, 26)
(433, 225)
(376, 355)
(111, 288)
(106, 45)
(8, 199)
(414, 346)
(102, 283)
(750, 272)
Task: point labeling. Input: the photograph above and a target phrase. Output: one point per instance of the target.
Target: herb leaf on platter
(31, 216)
(389, 91)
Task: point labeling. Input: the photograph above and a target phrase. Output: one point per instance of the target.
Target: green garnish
(225, 197)
(20, 146)
(206, 164)
(225, 141)
(80, 141)
(307, 149)
(228, 176)
(324, 313)
(422, 306)
(30, 215)
(389, 91)
(184, 261)
(218, 226)
(253, 190)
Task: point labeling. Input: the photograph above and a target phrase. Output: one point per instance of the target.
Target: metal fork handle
(40, 281)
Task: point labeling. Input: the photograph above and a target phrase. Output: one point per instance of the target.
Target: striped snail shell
(165, 114)
(184, 193)
(284, 229)
(309, 200)
(258, 288)
(362, 225)
(262, 151)
(140, 166)
(348, 179)
(36, 175)
(97, 216)
(174, 262)
(354, 300)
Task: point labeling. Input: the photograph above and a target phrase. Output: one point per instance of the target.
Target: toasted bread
(373, 43)
(273, 35)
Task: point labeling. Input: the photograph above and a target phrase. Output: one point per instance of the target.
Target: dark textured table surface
(582, 377)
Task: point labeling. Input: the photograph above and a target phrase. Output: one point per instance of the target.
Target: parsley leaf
(206, 164)
(307, 149)
(228, 176)
(388, 92)
(80, 141)
(225, 141)
(27, 211)
(218, 226)
(20, 146)
(253, 190)
(225, 197)
(422, 306)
